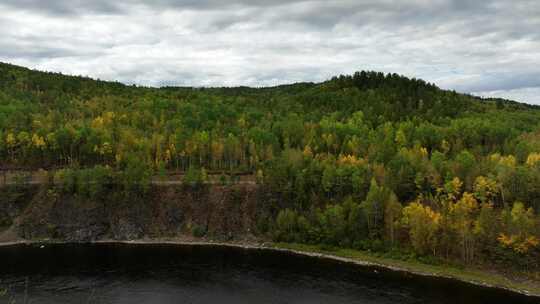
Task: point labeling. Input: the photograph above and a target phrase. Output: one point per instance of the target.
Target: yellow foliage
(118, 157)
(521, 228)
(37, 124)
(517, 244)
(259, 176)
(507, 161)
(495, 157)
(38, 141)
(533, 241)
(456, 184)
(417, 209)
(524, 246)
(242, 122)
(98, 123)
(109, 116)
(167, 155)
(423, 224)
(445, 146)
(485, 188)
(453, 188)
(533, 159)
(463, 217)
(505, 240)
(307, 152)
(102, 121)
(466, 204)
(172, 148)
(105, 149)
(423, 152)
(10, 140)
(350, 160)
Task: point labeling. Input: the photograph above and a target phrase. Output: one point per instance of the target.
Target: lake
(122, 273)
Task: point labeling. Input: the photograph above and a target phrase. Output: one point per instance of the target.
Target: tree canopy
(365, 159)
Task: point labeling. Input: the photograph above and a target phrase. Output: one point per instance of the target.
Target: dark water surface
(105, 273)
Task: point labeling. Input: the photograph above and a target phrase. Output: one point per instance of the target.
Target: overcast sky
(485, 47)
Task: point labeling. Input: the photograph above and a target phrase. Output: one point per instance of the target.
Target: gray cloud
(491, 47)
(501, 82)
(78, 7)
(60, 7)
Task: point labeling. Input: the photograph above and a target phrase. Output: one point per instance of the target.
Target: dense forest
(370, 161)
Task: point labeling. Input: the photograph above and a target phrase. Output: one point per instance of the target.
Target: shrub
(198, 231)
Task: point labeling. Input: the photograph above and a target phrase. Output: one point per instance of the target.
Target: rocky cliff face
(13, 200)
(224, 212)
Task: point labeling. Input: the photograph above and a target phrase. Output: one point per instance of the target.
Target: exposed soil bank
(224, 212)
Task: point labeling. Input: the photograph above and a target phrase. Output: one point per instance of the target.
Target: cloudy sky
(485, 47)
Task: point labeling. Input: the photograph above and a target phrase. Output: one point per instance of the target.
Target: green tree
(374, 207)
(392, 216)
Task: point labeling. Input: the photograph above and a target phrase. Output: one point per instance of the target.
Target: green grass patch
(412, 264)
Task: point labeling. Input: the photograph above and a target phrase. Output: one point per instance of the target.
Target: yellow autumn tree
(38, 142)
(485, 189)
(453, 188)
(533, 159)
(505, 161)
(520, 225)
(350, 160)
(423, 224)
(463, 215)
(308, 153)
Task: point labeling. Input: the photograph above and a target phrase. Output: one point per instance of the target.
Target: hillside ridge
(7, 67)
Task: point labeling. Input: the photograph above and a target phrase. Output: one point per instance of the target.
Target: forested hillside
(369, 161)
